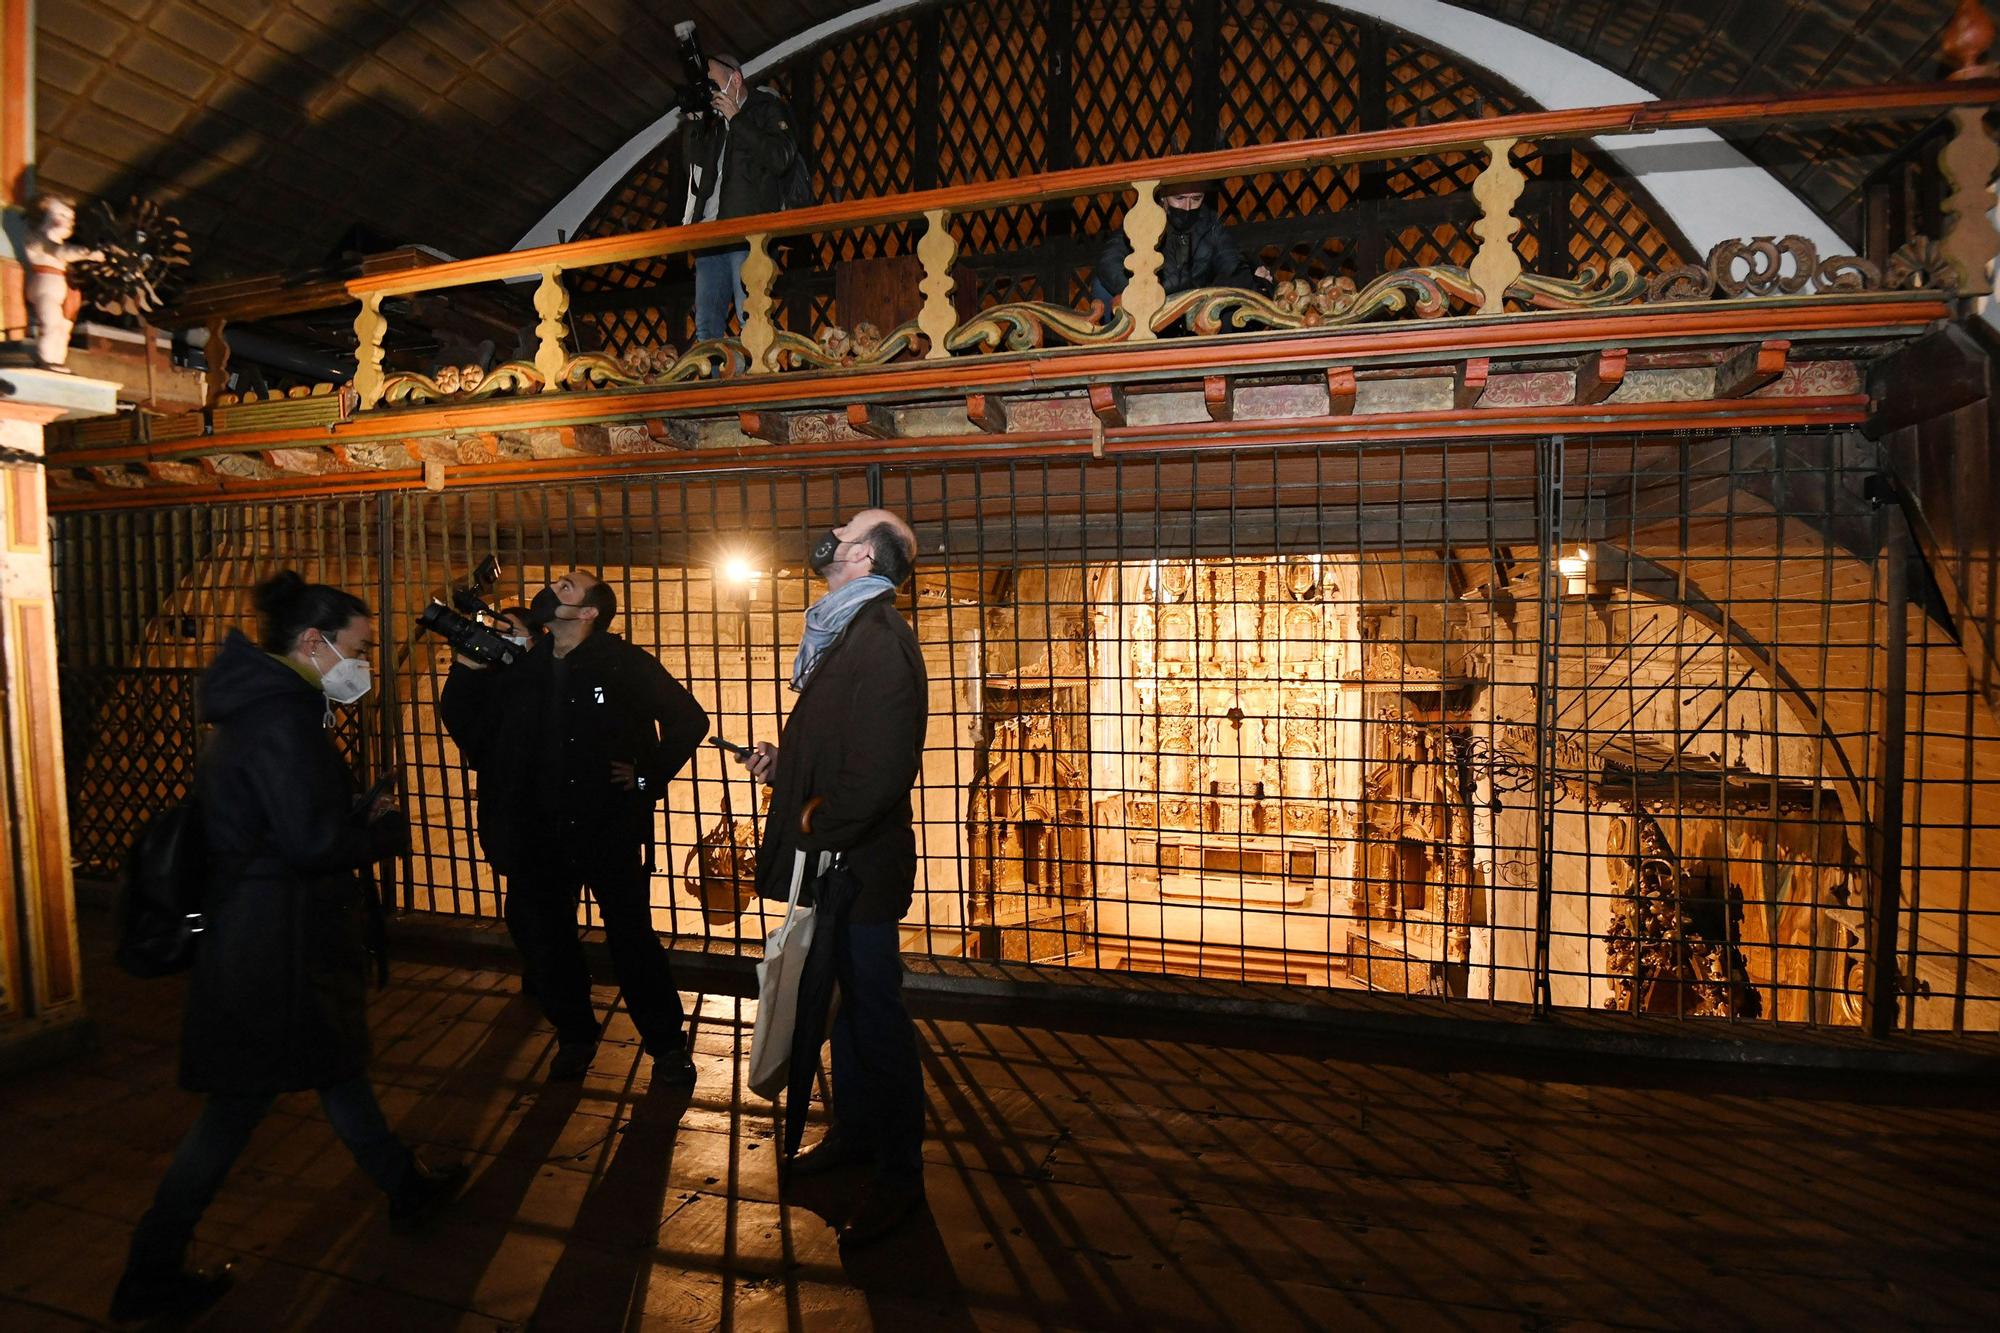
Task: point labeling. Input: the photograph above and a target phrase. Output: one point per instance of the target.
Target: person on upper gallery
(840, 778)
(1196, 250)
(740, 159)
(278, 997)
(574, 745)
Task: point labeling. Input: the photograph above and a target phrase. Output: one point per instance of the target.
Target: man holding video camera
(741, 158)
(574, 744)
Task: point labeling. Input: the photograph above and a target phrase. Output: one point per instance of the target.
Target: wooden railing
(1959, 261)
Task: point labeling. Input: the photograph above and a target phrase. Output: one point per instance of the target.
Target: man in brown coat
(840, 779)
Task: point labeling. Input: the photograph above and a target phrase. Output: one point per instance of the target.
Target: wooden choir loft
(1569, 586)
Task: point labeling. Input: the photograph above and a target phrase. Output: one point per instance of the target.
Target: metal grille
(1639, 725)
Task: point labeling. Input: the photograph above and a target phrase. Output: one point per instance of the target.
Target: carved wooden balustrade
(1772, 291)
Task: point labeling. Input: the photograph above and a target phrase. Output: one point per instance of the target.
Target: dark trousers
(218, 1138)
(541, 917)
(878, 1084)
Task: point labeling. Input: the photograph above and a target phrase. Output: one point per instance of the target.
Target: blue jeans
(878, 1084)
(718, 282)
(218, 1138)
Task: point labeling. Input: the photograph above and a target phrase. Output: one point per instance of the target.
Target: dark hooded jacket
(542, 735)
(853, 741)
(277, 1000)
(762, 147)
(1194, 253)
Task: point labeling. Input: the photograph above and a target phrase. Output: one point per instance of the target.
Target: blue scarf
(827, 617)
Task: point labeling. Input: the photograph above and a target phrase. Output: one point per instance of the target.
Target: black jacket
(277, 1000)
(1202, 255)
(761, 149)
(855, 738)
(543, 752)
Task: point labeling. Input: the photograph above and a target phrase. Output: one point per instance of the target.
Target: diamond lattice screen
(960, 92)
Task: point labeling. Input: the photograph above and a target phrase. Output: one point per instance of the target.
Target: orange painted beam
(1392, 428)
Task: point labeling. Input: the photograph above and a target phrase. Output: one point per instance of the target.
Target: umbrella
(833, 893)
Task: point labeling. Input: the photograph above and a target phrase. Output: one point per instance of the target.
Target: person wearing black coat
(278, 997)
(840, 779)
(738, 161)
(574, 744)
(1195, 251)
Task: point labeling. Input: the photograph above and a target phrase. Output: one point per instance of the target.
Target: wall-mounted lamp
(1575, 571)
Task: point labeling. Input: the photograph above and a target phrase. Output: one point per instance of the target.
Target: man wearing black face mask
(573, 745)
(840, 779)
(1195, 251)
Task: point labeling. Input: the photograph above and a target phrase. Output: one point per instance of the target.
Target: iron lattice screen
(1595, 725)
(956, 93)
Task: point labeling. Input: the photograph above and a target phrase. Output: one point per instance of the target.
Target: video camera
(468, 623)
(697, 90)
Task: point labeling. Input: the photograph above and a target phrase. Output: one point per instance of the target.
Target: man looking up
(594, 729)
(840, 779)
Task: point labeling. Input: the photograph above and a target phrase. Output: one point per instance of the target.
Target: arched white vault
(1711, 191)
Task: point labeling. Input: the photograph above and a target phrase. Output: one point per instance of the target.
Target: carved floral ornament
(1755, 267)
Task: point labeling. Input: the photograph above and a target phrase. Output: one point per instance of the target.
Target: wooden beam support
(1340, 391)
(873, 420)
(771, 427)
(1468, 383)
(986, 411)
(1750, 367)
(1220, 395)
(1599, 374)
(1107, 401)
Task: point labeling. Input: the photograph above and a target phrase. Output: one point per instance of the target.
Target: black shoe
(572, 1061)
(829, 1155)
(424, 1193)
(673, 1068)
(888, 1203)
(179, 1294)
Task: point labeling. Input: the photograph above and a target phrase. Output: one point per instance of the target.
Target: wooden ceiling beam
(1599, 374)
(1107, 402)
(873, 420)
(986, 411)
(1468, 383)
(1341, 390)
(1750, 367)
(1218, 394)
(770, 427)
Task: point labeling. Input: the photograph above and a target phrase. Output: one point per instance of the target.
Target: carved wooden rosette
(551, 303)
(760, 271)
(369, 328)
(1145, 222)
(1497, 189)
(1967, 164)
(938, 249)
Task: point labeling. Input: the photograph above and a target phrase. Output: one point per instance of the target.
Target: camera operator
(740, 160)
(573, 745)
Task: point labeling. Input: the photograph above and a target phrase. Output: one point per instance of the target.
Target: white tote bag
(785, 951)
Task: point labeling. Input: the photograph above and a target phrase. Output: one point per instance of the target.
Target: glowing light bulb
(736, 569)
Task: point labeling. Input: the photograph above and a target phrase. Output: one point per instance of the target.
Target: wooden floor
(1075, 1181)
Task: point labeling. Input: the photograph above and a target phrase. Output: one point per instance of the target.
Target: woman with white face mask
(277, 1001)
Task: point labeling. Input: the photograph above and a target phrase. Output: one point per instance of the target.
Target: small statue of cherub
(52, 302)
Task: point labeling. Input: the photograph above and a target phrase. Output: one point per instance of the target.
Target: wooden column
(17, 143)
(41, 978)
(938, 250)
(552, 304)
(760, 273)
(1497, 189)
(369, 327)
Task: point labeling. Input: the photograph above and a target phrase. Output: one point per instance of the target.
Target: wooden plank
(1750, 367)
(1599, 374)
